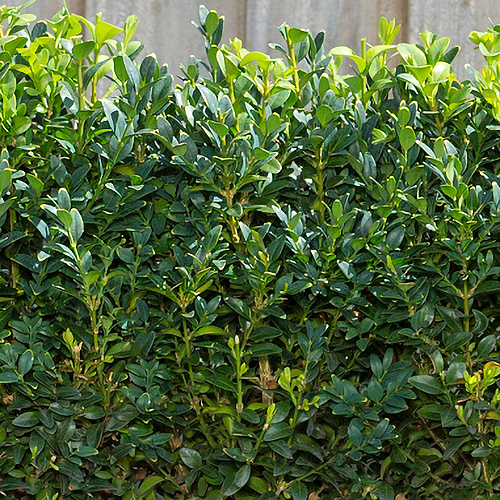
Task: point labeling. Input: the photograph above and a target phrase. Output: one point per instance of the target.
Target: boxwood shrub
(265, 280)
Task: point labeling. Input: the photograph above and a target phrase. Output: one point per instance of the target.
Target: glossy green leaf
(407, 138)
(83, 50)
(278, 431)
(209, 97)
(257, 484)
(281, 448)
(412, 54)
(299, 491)
(148, 485)
(25, 362)
(86, 451)
(76, 227)
(7, 239)
(65, 217)
(27, 419)
(239, 307)
(242, 476)
(486, 345)
(105, 31)
(5, 179)
(222, 382)
(427, 384)
(395, 237)
(211, 22)
(8, 376)
(191, 458)
(385, 492)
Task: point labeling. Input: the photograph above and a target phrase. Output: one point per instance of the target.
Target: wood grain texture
(345, 21)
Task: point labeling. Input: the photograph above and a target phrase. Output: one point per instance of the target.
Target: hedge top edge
(270, 281)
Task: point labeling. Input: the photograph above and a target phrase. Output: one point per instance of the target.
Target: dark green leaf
(281, 448)
(148, 485)
(239, 306)
(8, 376)
(278, 431)
(242, 476)
(455, 340)
(76, 227)
(299, 491)
(222, 382)
(427, 384)
(86, 451)
(265, 349)
(395, 237)
(191, 458)
(28, 419)
(486, 346)
(9, 238)
(209, 98)
(25, 362)
(385, 492)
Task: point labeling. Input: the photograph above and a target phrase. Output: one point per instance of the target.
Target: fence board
(345, 21)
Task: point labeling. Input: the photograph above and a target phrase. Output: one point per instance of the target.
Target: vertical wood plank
(345, 21)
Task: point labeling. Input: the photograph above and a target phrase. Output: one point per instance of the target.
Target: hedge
(269, 280)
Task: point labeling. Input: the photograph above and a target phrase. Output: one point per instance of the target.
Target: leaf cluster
(270, 281)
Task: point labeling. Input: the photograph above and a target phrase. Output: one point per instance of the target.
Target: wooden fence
(165, 25)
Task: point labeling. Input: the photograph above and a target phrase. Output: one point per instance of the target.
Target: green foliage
(271, 281)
